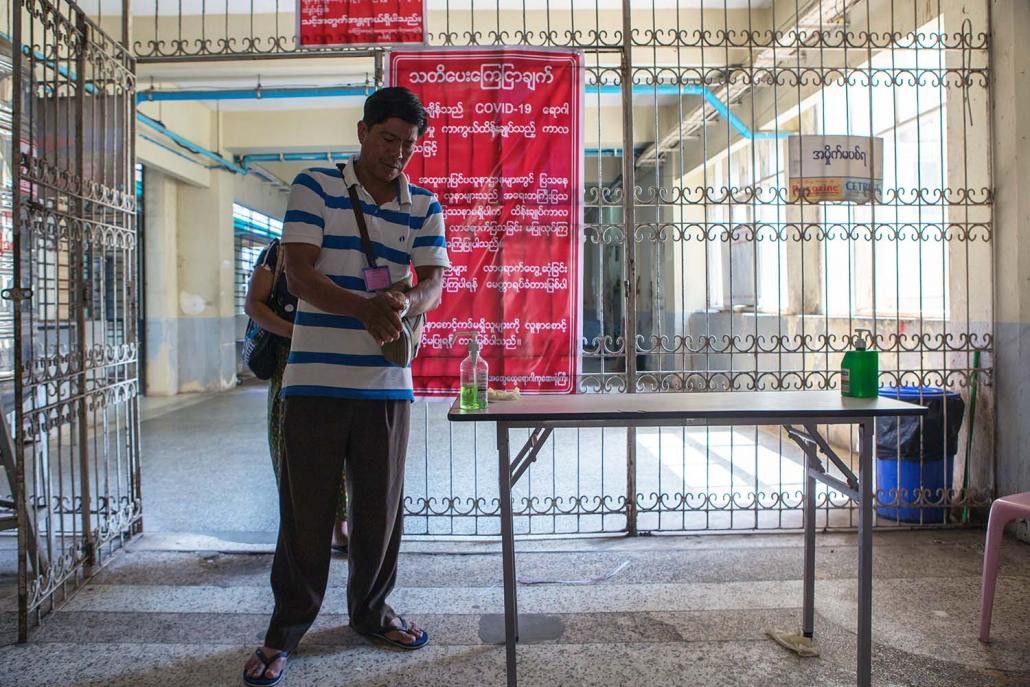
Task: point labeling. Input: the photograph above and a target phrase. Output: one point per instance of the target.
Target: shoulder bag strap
(277, 270)
(280, 263)
(359, 215)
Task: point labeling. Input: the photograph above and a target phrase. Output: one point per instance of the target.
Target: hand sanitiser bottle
(473, 375)
(860, 369)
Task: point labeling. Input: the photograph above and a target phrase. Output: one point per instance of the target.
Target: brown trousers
(322, 436)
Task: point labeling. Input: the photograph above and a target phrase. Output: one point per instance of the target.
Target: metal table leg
(860, 490)
(508, 552)
(865, 554)
(808, 612)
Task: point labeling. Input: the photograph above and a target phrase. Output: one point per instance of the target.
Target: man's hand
(401, 299)
(381, 316)
(398, 301)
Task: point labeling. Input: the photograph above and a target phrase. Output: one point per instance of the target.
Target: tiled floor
(684, 611)
(206, 471)
(187, 602)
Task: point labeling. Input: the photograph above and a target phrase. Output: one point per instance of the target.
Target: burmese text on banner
(503, 153)
(360, 22)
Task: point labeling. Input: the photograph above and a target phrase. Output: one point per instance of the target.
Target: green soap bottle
(860, 369)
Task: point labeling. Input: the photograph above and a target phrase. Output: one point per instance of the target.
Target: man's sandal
(381, 635)
(263, 681)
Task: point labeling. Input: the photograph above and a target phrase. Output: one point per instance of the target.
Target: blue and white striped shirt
(333, 355)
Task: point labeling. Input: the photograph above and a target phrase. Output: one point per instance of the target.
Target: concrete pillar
(970, 256)
(160, 258)
(206, 328)
(1010, 28)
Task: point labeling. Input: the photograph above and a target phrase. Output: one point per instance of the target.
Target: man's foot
(406, 633)
(340, 536)
(265, 667)
(401, 634)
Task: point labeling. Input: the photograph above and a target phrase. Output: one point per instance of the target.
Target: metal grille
(706, 276)
(6, 232)
(77, 418)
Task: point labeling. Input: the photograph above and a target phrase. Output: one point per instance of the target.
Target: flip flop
(339, 548)
(405, 627)
(266, 661)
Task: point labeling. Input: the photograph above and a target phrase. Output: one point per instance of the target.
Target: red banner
(503, 153)
(360, 22)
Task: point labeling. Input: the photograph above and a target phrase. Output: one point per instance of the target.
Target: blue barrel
(914, 453)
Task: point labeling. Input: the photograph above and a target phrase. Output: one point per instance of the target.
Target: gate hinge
(16, 294)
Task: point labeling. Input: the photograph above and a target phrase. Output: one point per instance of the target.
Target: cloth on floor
(794, 641)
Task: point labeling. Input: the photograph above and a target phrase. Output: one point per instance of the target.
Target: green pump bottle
(860, 369)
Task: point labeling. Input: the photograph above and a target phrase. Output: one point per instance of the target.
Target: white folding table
(799, 412)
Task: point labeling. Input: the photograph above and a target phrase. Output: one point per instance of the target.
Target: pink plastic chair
(1003, 511)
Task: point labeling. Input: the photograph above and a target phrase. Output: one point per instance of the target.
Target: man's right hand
(380, 315)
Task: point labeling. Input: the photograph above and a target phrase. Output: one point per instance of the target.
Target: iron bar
(630, 252)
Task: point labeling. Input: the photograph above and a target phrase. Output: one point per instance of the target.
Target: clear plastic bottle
(473, 376)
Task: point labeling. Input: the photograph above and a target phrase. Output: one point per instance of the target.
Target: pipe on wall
(222, 162)
(259, 93)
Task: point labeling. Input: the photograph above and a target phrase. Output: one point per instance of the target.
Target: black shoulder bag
(259, 345)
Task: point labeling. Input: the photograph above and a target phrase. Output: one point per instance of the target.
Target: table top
(737, 406)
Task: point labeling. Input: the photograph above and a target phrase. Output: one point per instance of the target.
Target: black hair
(395, 101)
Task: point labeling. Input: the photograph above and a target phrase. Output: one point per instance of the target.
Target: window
(746, 259)
(889, 258)
(253, 231)
(895, 261)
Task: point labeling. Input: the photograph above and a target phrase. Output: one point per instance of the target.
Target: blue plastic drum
(914, 454)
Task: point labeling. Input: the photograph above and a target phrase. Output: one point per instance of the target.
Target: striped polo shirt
(333, 355)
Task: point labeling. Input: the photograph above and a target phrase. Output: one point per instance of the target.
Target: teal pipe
(246, 160)
(351, 91)
(693, 89)
(345, 91)
(175, 152)
(190, 145)
(254, 94)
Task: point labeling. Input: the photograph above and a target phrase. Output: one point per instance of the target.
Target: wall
(160, 208)
(258, 195)
(1010, 59)
(206, 328)
(189, 255)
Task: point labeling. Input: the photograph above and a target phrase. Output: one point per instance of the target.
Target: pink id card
(376, 278)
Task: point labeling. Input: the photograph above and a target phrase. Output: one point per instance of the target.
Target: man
(344, 401)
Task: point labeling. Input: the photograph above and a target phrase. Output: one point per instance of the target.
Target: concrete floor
(206, 471)
(685, 610)
(189, 599)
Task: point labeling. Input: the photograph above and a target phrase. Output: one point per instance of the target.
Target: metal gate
(700, 272)
(76, 417)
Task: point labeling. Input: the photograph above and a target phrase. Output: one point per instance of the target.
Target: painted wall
(1010, 26)
(189, 255)
(259, 195)
(160, 251)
